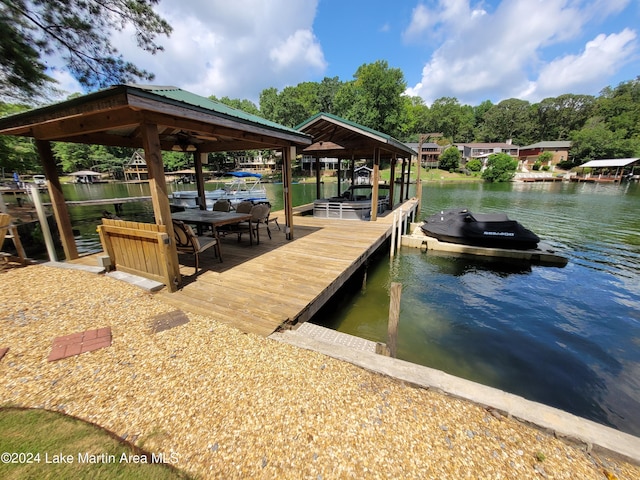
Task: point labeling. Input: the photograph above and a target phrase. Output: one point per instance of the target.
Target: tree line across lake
(606, 126)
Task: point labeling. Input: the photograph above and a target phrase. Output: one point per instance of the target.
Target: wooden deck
(261, 288)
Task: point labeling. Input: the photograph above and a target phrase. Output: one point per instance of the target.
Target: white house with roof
(481, 151)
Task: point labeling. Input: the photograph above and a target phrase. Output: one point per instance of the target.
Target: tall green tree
(448, 117)
(17, 154)
(374, 98)
(557, 117)
(620, 108)
(78, 31)
(509, 119)
(417, 115)
(597, 141)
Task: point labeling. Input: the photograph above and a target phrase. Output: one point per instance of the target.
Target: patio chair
(222, 205)
(259, 216)
(244, 207)
(189, 242)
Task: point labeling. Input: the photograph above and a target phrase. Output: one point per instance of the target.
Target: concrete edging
(561, 423)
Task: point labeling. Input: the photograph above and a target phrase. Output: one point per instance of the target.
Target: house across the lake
(529, 154)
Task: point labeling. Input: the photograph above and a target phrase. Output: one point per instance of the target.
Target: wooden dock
(261, 288)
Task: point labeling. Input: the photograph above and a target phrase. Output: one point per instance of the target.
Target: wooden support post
(198, 160)
(406, 197)
(160, 195)
(318, 178)
(392, 248)
(404, 163)
(60, 210)
(392, 178)
(418, 177)
(339, 175)
(394, 318)
(288, 154)
(44, 225)
(376, 181)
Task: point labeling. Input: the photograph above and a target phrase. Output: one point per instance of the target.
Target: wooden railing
(142, 249)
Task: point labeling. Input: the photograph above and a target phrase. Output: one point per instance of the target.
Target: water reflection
(564, 337)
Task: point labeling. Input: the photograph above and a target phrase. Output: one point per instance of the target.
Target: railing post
(44, 225)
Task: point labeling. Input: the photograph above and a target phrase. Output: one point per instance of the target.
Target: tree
(455, 121)
(596, 141)
(237, 103)
(557, 117)
(450, 159)
(78, 31)
(509, 119)
(374, 98)
(501, 167)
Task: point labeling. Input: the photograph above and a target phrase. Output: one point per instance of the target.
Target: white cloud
(602, 54)
(511, 52)
(232, 48)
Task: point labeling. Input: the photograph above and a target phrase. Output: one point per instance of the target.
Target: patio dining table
(205, 218)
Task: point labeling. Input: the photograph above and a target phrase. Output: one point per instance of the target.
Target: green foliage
(79, 32)
(474, 165)
(240, 104)
(557, 117)
(509, 119)
(374, 98)
(597, 141)
(448, 117)
(545, 157)
(450, 159)
(500, 168)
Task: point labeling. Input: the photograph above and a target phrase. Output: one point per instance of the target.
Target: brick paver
(82, 342)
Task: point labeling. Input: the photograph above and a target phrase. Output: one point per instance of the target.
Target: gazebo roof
(185, 120)
(349, 138)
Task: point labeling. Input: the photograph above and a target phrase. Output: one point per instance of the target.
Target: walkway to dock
(262, 287)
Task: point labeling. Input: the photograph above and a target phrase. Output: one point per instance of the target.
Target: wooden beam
(160, 195)
(86, 124)
(60, 209)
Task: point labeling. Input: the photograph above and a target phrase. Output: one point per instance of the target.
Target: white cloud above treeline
(522, 49)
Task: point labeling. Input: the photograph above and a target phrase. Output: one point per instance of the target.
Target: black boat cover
(459, 225)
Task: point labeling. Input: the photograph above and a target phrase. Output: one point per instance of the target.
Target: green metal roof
(354, 128)
(189, 99)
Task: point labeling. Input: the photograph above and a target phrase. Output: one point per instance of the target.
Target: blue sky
(474, 51)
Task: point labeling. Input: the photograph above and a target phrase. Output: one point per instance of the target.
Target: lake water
(567, 337)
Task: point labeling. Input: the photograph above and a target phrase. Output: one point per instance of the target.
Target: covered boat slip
(156, 119)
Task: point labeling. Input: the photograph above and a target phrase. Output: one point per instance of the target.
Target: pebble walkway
(231, 405)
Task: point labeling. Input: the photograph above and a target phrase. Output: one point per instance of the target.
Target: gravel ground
(223, 404)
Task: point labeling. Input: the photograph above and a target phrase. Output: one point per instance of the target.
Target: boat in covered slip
(460, 226)
(243, 186)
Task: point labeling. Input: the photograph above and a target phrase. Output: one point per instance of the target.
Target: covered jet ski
(459, 225)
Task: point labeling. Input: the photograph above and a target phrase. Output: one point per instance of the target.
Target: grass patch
(36, 439)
